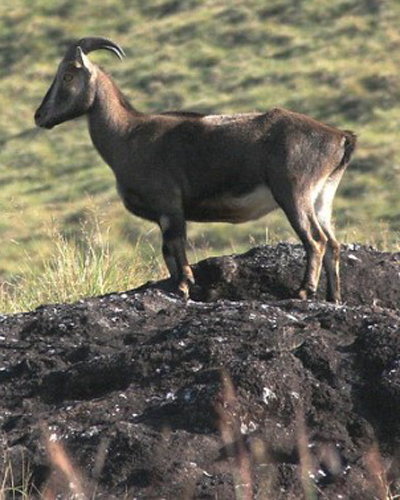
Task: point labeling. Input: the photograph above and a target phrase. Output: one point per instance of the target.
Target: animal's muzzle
(41, 119)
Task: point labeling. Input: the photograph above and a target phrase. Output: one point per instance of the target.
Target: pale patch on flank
(251, 206)
(227, 119)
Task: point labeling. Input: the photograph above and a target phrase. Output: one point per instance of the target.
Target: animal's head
(74, 86)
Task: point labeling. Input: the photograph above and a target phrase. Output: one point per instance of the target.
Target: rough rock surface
(241, 392)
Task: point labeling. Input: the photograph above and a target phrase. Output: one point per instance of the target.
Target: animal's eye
(67, 77)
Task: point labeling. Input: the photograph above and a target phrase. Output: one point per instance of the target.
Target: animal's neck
(111, 118)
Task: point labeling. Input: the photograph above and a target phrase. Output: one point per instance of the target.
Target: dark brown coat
(176, 167)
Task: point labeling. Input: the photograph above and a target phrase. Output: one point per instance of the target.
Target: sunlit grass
(79, 266)
(91, 261)
(327, 59)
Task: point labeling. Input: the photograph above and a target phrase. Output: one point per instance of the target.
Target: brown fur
(179, 166)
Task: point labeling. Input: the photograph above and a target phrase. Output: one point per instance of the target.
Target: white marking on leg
(324, 200)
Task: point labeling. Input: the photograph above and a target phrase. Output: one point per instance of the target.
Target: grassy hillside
(336, 61)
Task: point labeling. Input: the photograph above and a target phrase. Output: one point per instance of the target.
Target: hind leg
(323, 209)
(299, 210)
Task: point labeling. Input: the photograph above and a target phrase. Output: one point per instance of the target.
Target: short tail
(350, 141)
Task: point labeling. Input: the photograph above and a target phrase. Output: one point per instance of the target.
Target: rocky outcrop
(241, 392)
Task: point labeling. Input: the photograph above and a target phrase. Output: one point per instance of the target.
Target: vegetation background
(64, 232)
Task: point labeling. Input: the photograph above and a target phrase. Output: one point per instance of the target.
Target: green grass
(86, 263)
(336, 61)
(82, 265)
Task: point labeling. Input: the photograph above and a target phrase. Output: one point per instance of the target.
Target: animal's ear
(81, 60)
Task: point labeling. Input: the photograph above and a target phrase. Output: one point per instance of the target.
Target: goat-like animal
(176, 167)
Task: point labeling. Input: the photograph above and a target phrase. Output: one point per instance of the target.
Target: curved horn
(91, 43)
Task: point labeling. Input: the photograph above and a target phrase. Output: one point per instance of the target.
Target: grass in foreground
(66, 480)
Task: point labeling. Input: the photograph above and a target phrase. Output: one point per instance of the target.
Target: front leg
(173, 228)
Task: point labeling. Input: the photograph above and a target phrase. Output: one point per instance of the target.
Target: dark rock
(234, 392)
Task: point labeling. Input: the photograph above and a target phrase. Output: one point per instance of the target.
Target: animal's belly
(234, 209)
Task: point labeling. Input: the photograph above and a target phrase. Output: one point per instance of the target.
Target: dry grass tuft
(231, 435)
(65, 477)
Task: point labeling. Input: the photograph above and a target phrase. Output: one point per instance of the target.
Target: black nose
(38, 116)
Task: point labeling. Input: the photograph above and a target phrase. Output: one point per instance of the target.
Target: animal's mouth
(43, 121)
